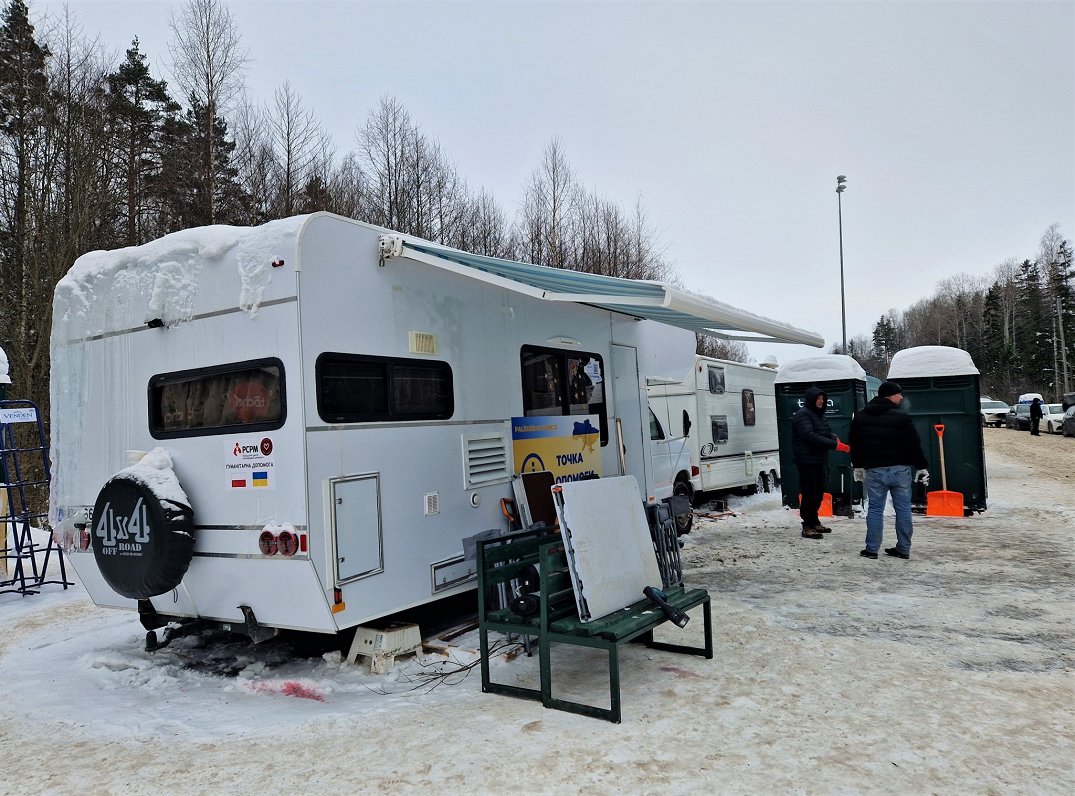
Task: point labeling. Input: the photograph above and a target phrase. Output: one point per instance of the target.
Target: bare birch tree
(298, 139)
(208, 62)
(546, 229)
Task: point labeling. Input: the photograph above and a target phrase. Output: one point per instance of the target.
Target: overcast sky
(953, 121)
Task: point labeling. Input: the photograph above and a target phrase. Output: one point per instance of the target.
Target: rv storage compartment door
(356, 525)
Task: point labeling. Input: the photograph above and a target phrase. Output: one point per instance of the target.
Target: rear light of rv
(302, 543)
(694, 470)
(268, 543)
(337, 601)
(288, 543)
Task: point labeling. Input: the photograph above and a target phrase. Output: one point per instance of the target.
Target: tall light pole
(840, 185)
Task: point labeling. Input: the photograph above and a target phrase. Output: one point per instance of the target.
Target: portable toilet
(941, 388)
(844, 383)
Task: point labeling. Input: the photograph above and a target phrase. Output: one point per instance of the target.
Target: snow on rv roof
(931, 360)
(5, 376)
(828, 367)
(161, 277)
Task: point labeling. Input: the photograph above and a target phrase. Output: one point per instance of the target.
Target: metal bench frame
(557, 620)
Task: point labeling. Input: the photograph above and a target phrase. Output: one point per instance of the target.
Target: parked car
(1018, 417)
(1068, 428)
(1052, 418)
(993, 412)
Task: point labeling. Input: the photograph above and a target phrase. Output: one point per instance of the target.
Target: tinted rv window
(716, 379)
(352, 388)
(563, 383)
(719, 424)
(244, 396)
(749, 414)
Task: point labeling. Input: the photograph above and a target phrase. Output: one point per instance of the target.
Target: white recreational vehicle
(727, 410)
(295, 426)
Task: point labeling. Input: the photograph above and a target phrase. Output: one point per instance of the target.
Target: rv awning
(656, 301)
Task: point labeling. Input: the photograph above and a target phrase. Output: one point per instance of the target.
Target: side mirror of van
(686, 424)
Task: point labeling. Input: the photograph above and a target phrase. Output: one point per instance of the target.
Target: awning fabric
(656, 301)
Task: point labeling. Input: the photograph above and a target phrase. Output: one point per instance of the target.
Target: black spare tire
(142, 543)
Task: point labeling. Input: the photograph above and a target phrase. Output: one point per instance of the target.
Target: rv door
(629, 423)
(670, 456)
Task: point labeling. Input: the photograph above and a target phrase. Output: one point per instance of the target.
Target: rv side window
(749, 414)
(563, 383)
(245, 396)
(716, 379)
(719, 424)
(352, 388)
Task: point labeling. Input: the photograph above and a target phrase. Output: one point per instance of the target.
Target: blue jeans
(880, 481)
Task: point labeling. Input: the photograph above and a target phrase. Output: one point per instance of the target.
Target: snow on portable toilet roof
(931, 360)
(5, 376)
(829, 367)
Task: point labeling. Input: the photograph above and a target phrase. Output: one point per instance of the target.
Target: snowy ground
(948, 673)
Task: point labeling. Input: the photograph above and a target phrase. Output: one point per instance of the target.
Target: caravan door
(628, 417)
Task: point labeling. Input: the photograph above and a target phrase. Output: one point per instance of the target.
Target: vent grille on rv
(423, 343)
(486, 460)
(432, 503)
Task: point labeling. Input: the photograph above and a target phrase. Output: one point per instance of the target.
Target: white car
(1052, 418)
(993, 412)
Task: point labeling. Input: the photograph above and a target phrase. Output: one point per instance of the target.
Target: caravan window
(352, 388)
(563, 383)
(719, 426)
(750, 415)
(716, 379)
(240, 397)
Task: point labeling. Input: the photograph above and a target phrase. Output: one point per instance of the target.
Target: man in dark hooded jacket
(811, 441)
(1035, 416)
(885, 445)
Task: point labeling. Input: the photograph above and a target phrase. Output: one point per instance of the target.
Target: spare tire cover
(142, 544)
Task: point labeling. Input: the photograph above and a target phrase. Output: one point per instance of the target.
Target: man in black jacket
(886, 446)
(811, 441)
(1035, 417)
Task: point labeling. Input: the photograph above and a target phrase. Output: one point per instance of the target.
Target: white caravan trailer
(728, 412)
(295, 426)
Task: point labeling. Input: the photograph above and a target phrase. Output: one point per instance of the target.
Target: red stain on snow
(679, 672)
(287, 688)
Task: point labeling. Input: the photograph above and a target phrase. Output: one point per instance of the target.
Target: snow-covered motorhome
(295, 426)
(727, 410)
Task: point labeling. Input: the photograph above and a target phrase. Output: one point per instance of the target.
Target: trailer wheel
(684, 522)
(142, 543)
(760, 485)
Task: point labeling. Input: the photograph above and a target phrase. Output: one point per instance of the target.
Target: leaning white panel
(609, 548)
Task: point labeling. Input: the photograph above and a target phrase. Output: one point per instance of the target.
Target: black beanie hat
(888, 388)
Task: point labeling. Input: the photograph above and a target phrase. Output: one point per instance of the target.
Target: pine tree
(1032, 343)
(138, 107)
(1060, 287)
(997, 353)
(194, 193)
(24, 107)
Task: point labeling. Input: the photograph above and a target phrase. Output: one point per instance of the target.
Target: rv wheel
(684, 522)
(142, 542)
